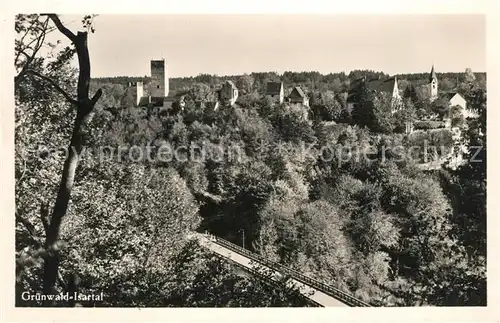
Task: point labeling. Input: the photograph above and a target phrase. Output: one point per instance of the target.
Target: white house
(297, 96)
(228, 92)
(455, 99)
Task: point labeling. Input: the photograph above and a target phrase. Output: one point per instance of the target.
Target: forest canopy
(381, 229)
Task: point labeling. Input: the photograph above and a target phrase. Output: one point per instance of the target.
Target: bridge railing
(274, 282)
(330, 290)
(259, 273)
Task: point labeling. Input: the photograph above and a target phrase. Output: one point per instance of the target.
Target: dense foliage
(304, 193)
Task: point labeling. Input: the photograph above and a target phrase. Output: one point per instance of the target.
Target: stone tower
(433, 85)
(159, 79)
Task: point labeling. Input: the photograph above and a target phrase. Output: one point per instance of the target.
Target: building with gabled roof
(379, 85)
(456, 99)
(453, 98)
(228, 93)
(297, 96)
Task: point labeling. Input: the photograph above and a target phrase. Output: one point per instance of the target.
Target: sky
(123, 45)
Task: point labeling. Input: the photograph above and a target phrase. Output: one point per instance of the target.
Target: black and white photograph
(249, 160)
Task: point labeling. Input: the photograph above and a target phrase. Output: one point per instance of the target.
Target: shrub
(426, 125)
(435, 142)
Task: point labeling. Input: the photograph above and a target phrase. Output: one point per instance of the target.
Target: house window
(157, 86)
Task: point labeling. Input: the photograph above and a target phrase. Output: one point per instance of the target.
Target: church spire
(433, 84)
(432, 76)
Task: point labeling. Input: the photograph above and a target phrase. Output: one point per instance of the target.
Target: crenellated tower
(158, 86)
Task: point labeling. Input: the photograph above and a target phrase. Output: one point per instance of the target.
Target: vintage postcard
(182, 160)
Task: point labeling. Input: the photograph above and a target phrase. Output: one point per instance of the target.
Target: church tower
(433, 85)
(159, 79)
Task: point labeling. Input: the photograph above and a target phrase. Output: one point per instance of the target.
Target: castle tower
(159, 79)
(433, 84)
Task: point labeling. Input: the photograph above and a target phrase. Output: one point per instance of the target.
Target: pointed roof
(378, 84)
(354, 85)
(451, 94)
(382, 85)
(432, 75)
(231, 83)
(297, 92)
(274, 88)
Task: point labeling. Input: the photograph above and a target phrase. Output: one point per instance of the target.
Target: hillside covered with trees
(381, 229)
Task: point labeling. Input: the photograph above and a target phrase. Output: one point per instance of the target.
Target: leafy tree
(336, 85)
(128, 99)
(402, 117)
(321, 241)
(200, 280)
(363, 111)
(469, 76)
(446, 84)
(245, 83)
(410, 93)
(373, 111)
(357, 74)
(467, 185)
(384, 120)
(83, 105)
(423, 93)
(441, 107)
(457, 117)
(255, 132)
(199, 92)
(326, 106)
(432, 143)
(152, 208)
(291, 125)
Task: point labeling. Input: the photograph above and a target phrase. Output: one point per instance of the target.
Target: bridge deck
(315, 295)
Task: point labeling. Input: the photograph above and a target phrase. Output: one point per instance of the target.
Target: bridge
(316, 292)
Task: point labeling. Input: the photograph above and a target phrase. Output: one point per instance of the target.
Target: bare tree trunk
(84, 106)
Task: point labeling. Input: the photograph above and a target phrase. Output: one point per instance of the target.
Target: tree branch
(38, 241)
(54, 84)
(29, 60)
(21, 51)
(28, 30)
(96, 97)
(24, 36)
(65, 31)
(30, 228)
(45, 33)
(84, 106)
